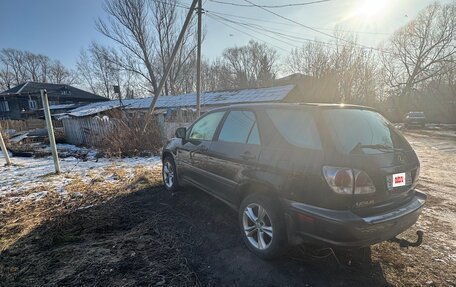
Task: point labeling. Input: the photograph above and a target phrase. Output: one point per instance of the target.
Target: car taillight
(339, 179)
(363, 183)
(348, 181)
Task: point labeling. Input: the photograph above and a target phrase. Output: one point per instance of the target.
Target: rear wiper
(359, 147)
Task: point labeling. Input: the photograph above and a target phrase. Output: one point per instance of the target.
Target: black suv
(314, 173)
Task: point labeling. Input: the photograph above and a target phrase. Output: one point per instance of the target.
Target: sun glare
(369, 10)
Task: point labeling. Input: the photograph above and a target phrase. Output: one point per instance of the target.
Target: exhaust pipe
(406, 243)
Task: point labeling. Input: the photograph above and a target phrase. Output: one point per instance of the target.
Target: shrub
(129, 136)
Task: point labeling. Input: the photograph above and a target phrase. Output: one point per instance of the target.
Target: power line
(277, 33)
(248, 34)
(288, 24)
(180, 5)
(270, 6)
(313, 29)
(255, 29)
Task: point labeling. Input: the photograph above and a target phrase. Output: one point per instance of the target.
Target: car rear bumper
(346, 229)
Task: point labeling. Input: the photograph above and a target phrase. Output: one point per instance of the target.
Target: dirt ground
(141, 235)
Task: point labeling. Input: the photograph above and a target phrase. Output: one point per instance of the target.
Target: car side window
(205, 127)
(297, 127)
(240, 127)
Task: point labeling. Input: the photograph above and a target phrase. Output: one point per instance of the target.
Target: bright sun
(369, 10)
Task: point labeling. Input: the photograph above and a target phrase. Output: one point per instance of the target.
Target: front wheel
(169, 174)
(262, 226)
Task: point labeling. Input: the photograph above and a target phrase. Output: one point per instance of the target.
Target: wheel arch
(167, 153)
(252, 187)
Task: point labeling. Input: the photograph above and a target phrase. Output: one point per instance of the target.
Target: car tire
(169, 174)
(265, 233)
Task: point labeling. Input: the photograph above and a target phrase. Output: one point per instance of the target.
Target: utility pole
(5, 151)
(50, 128)
(198, 61)
(173, 55)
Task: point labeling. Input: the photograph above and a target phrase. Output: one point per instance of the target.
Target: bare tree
(6, 76)
(59, 74)
(34, 66)
(18, 66)
(312, 59)
(15, 60)
(253, 65)
(129, 26)
(99, 69)
(167, 23)
(419, 49)
(147, 32)
(352, 68)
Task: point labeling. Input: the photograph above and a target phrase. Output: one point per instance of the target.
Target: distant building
(24, 100)
(85, 124)
(209, 100)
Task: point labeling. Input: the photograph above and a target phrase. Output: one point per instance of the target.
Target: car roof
(292, 105)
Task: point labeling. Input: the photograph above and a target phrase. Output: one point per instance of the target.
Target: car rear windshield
(362, 131)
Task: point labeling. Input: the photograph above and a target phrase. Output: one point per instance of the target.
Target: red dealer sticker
(399, 179)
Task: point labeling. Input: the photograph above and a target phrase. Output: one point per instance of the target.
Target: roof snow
(272, 94)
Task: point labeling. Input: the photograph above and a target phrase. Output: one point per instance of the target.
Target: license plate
(399, 179)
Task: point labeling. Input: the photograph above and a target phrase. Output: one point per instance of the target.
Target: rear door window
(356, 130)
(297, 127)
(205, 127)
(240, 127)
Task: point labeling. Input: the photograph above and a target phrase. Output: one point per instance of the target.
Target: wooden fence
(89, 131)
(85, 131)
(25, 125)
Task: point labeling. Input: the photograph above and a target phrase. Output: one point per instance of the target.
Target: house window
(32, 104)
(4, 107)
(65, 92)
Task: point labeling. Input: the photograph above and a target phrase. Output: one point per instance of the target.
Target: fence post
(50, 128)
(5, 151)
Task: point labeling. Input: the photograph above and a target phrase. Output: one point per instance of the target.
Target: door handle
(248, 156)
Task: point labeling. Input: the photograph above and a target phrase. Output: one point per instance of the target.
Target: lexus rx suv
(301, 173)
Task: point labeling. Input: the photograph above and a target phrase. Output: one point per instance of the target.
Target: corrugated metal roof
(272, 94)
(61, 107)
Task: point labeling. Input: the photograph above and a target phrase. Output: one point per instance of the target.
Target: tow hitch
(406, 243)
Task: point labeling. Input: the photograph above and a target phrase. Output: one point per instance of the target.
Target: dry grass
(129, 137)
(17, 219)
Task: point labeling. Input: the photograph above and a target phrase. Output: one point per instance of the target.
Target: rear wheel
(262, 226)
(169, 174)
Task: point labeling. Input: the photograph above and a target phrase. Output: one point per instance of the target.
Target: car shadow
(152, 237)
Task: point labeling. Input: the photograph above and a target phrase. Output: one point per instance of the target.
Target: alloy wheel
(257, 226)
(168, 174)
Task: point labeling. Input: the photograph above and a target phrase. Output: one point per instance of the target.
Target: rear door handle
(248, 156)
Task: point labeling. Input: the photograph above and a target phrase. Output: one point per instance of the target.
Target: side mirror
(181, 133)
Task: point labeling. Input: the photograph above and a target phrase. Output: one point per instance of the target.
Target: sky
(59, 29)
